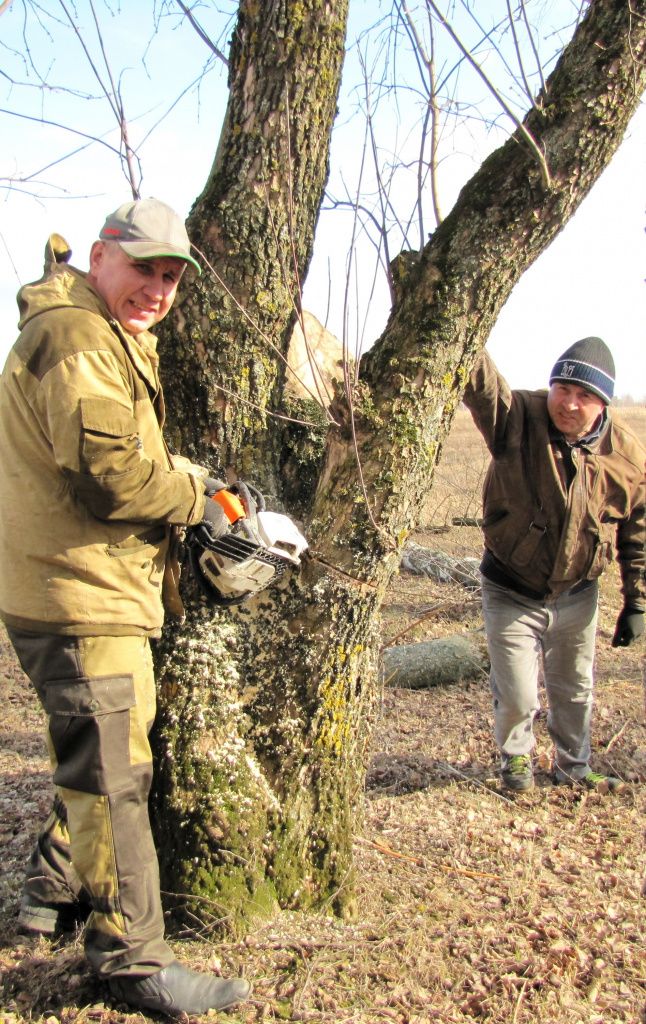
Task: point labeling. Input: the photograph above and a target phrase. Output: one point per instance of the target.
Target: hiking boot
(51, 919)
(175, 989)
(596, 781)
(517, 772)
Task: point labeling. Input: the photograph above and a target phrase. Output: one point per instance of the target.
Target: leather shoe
(175, 989)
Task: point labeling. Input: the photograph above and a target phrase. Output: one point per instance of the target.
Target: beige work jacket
(90, 497)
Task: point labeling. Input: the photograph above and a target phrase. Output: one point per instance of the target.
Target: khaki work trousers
(99, 696)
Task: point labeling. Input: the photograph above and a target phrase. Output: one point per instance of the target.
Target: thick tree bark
(234, 804)
(266, 711)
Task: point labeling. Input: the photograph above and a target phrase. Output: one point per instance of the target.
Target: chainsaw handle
(250, 497)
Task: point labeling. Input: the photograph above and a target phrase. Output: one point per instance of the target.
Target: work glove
(630, 625)
(214, 517)
(212, 486)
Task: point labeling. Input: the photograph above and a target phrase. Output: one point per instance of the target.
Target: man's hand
(630, 625)
(215, 518)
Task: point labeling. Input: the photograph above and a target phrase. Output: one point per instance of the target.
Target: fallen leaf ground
(471, 905)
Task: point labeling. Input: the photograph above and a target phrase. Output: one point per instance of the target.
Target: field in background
(472, 907)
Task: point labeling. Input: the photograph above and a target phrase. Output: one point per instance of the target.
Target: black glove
(215, 518)
(212, 486)
(630, 625)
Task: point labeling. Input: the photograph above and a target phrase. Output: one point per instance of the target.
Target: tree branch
(527, 136)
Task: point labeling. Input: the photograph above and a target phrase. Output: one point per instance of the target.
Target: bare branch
(4, 242)
(519, 58)
(298, 305)
(432, 116)
(545, 173)
(347, 379)
(64, 127)
(111, 94)
(201, 33)
(532, 43)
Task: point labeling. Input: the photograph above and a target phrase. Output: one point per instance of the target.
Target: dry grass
(472, 906)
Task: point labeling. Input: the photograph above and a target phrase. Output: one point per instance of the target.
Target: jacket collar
(591, 440)
(142, 350)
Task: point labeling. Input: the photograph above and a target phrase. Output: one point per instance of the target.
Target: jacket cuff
(196, 515)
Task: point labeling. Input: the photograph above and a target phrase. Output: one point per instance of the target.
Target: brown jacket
(548, 536)
(89, 490)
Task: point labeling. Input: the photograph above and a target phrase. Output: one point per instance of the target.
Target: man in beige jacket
(91, 504)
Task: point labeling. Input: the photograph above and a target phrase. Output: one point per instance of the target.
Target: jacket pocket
(105, 416)
(494, 517)
(148, 545)
(525, 550)
(109, 437)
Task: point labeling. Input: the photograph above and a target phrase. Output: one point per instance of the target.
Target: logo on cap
(568, 369)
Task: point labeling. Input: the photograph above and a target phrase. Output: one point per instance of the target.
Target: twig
(297, 303)
(432, 115)
(342, 572)
(615, 739)
(347, 381)
(201, 33)
(519, 56)
(263, 410)
(420, 862)
(63, 127)
(521, 996)
(265, 337)
(469, 778)
(427, 614)
(527, 135)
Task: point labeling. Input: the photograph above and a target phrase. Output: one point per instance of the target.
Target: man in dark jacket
(92, 501)
(563, 495)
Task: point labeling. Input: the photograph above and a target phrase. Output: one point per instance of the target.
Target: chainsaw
(257, 548)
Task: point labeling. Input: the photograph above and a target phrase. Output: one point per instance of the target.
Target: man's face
(573, 410)
(138, 293)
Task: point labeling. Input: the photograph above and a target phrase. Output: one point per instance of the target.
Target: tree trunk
(234, 802)
(266, 711)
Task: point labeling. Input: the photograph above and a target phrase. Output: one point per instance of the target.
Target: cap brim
(153, 250)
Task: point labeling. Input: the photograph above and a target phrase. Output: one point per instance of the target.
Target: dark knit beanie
(588, 363)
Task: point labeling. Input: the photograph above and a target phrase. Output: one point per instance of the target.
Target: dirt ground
(472, 905)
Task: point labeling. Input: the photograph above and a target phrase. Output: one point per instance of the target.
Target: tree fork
(274, 716)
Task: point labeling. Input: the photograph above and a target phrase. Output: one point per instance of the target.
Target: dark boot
(176, 989)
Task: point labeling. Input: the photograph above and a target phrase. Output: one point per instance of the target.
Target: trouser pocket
(89, 727)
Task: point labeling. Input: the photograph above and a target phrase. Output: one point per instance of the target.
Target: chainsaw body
(254, 552)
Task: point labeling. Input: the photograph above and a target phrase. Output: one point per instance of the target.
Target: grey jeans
(561, 633)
